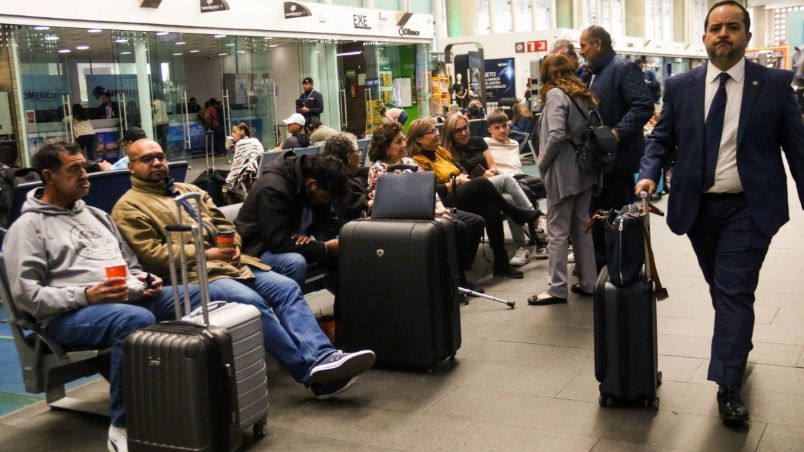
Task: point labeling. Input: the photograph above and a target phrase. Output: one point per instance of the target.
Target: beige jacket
(147, 207)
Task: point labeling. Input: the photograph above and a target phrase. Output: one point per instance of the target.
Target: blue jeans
(104, 325)
(107, 325)
(292, 265)
(291, 332)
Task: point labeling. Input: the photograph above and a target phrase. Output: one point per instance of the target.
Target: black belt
(722, 195)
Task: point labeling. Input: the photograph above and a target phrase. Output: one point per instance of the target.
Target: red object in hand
(117, 271)
(226, 239)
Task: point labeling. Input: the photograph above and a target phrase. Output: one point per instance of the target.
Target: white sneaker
(118, 439)
(571, 258)
(520, 258)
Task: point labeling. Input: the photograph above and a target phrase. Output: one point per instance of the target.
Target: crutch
(510, 304)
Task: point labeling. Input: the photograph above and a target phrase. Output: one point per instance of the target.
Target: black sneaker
(324, 391)
(339, 366)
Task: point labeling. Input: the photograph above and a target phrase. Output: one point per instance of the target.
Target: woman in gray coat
(569, 188)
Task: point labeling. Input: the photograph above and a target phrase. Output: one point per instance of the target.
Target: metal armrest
(41, 336)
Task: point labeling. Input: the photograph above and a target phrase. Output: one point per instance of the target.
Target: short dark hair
(340, 146)
(328, 171)
(381, 140)
(599, 33)
(48, 157)
(79, 112)
(313, 123)
(746, 18)
(498, 116)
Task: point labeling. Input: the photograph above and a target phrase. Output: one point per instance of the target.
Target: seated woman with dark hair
(387, 148)
(246, 160)
(354, 203)
(474, 195)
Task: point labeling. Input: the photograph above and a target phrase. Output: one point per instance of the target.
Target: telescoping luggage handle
(200, 257)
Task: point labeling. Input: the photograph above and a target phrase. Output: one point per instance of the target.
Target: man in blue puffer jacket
(625, 105)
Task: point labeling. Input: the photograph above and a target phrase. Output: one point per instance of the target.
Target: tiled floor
(524, 378)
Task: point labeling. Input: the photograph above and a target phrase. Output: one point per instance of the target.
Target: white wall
(287, 78)
(203, 77)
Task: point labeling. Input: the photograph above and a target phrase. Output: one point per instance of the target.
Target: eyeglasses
(435, 131)
(149, 158)
(461, 130)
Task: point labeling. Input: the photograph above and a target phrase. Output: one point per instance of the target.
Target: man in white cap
(296, 136)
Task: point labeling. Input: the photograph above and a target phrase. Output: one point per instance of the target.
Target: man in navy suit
(727, 121)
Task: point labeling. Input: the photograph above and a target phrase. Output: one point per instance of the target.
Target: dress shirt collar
(736, 72)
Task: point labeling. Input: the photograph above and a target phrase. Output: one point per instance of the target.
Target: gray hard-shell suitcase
(399, 293)
(180, 389)
(244, 324)
(626, 356)
(241, 401)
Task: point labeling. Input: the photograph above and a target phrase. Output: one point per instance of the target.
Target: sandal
(544, 298)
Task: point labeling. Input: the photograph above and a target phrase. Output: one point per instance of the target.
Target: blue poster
(115, 84)
(500, 79)
(43, 94)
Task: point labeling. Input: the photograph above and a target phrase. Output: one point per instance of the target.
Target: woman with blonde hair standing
(567, 102)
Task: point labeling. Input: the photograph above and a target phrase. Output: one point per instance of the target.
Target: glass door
(248, 91)
(171, 124)
(48, 99)
(355, 89)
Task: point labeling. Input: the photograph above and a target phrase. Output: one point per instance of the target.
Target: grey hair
(563, 43)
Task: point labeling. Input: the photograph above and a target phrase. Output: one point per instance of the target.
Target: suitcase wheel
(260, 429)
(659, 378)
(606, 400)
(651, 402)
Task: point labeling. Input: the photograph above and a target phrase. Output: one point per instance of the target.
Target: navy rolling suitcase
(399, 293)
(626, 357)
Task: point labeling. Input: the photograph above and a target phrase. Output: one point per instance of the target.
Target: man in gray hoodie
(56, 256)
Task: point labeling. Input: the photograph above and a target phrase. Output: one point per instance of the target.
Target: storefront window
(543, 15)
(502, 16)
(524, 17)
(159, 81)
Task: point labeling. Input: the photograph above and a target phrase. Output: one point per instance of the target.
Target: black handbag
(407, 196)
(598, 150)
(625, 248)
(628, 245)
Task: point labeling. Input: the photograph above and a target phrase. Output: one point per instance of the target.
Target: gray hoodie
(52, 254)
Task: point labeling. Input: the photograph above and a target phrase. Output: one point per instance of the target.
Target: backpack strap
(566, 123)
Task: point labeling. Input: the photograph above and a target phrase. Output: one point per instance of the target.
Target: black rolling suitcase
(399, 292)
(180, 377)
(626, 357)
